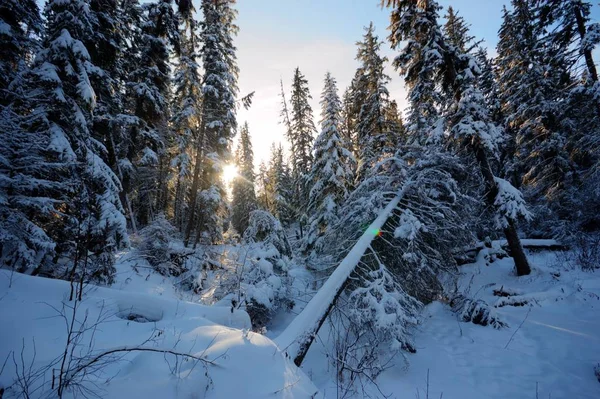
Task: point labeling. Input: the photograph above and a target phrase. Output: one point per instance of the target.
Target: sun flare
(229, 173)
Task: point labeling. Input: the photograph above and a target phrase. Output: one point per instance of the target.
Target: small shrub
(587, 251)
(263, 280)
(156, 247)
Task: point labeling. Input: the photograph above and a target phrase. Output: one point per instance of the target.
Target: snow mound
(245, 365)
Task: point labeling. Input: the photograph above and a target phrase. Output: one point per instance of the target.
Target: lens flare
(230, 172)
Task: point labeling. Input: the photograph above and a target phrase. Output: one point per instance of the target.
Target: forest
(146, 250)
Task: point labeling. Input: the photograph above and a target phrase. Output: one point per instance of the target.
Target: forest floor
(141, 309)
(549, 350)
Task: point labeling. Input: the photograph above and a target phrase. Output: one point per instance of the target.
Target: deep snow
(554, 351)
(248, 365)
(551, 355)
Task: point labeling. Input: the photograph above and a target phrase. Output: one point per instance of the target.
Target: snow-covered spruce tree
(395, 127)
(301, 137)
(469, 121)
(420, 61)
(186, 109)
(62, 178)
(571, 37)
(262, 182)
(107, 46)
(372, 96)
(156, 246)
(145, 161)
(23, 243)
(330, 175)
(456, 31)
(532, 78)
(488, 85)
(219, 90)
(348, 117)
(20, 22)
(263, 288)
(277, 186)
(400, 270)
(244, 195)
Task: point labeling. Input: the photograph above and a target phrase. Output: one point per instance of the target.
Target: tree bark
(587, 54)
(512, 238)
(195, 188)
(589, 60)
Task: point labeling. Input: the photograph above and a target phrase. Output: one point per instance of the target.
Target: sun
(230, 172)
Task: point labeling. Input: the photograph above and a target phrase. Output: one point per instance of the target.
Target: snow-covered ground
(551, 355)
(549, 350)
(246, 365)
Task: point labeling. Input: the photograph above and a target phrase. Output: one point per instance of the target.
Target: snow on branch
(510, 203)
(298, 336)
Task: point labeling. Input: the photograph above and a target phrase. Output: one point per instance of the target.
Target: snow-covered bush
(156, 247)
(263, 285)
(587, 251)
(380, 304)
(264, 228)
(475, 311)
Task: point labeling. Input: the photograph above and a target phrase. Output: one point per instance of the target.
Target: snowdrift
(245, 365)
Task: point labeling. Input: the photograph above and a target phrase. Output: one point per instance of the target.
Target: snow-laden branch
(296, 339)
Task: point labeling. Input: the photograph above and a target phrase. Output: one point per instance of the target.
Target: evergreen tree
(469, 122)
(396, 132)
(457, 33)
(262, 182)
(330, 175)
(244, 195)
(219, 89)
(302, 125)
(278, 184)
(64, 196)
(187, 106)
(349, 116)
(20, 22)
(371, 93)
(488, 84)
(301, 136)
(144, 158)
(107, 46)
(423, 66)
(532, 83)
(565, 38)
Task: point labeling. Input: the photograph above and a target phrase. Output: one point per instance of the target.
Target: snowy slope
(247, 365)
(554, 351)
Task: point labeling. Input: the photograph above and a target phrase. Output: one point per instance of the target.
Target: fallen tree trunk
(469, 254)
(296, 339)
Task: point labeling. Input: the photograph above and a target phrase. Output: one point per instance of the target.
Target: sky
(317, 36)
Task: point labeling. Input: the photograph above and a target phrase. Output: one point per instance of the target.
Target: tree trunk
(296, 339)
(587, 54)
(514, 243)
(124, 188)
(589, 60)
(195, 188)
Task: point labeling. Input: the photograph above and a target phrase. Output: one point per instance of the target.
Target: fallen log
(469, 254)
(296, 339)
